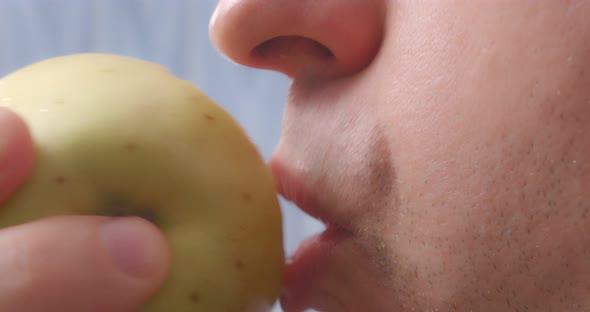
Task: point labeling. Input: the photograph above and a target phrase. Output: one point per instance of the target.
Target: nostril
(289, 46)
(292, 54)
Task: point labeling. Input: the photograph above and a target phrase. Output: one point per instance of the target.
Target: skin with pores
(444, 144)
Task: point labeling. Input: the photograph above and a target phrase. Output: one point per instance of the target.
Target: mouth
(291, 186)
(314, 256)
(308, 268)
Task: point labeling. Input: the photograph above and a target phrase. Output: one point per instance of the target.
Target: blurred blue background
(170, 32)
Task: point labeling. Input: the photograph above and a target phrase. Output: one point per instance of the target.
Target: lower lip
(306, 265)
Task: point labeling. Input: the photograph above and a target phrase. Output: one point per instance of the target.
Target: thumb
(16, 153)
(81, 263)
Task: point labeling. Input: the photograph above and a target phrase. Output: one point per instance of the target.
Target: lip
(306, 268)
(291, 186)
(313, 256)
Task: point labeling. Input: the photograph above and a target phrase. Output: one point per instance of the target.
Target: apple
(118, 136)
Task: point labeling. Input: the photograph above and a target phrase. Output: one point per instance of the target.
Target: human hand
(72, 263)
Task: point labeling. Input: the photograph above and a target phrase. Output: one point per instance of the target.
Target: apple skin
(117, 136)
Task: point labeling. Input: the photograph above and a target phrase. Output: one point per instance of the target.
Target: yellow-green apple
(119, 136)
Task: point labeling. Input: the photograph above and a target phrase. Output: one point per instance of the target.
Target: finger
(91, 264)
(16, 153)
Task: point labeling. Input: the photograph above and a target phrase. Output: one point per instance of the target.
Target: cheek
(489, 179)
(490, 159)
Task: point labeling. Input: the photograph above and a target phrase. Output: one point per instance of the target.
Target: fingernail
(134, 246)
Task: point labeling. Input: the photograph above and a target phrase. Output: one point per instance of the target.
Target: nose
(299, 37)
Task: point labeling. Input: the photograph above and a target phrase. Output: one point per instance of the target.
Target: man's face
(445, 144)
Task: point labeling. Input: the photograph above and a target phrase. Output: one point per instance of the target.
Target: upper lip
(288, 186)
(291, 186)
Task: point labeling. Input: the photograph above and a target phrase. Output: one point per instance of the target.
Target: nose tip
(298, 37)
